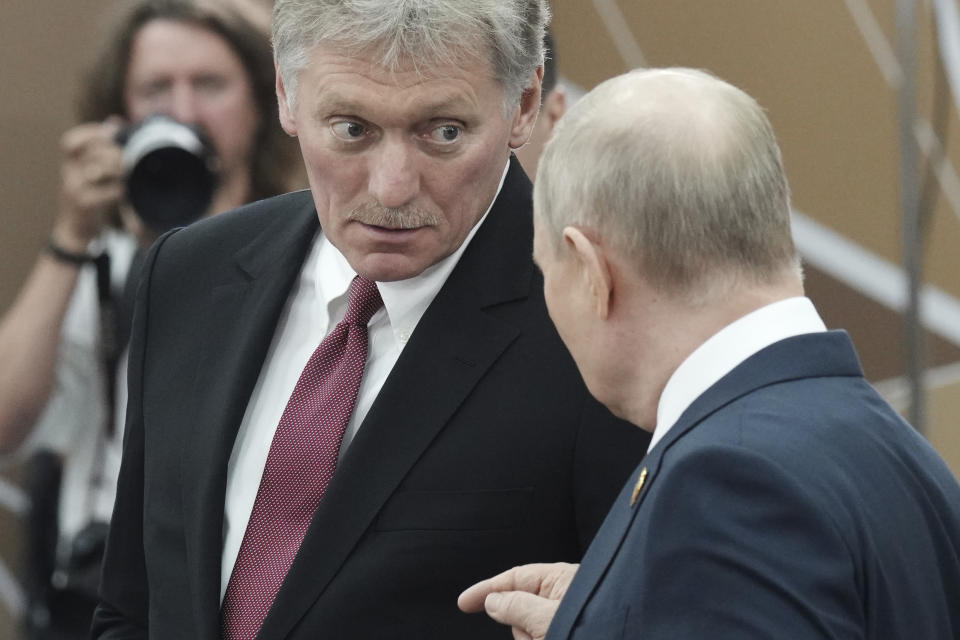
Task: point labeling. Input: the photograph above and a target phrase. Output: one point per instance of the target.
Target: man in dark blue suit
(781, 496)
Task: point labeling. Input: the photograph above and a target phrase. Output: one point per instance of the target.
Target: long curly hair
(275, 157)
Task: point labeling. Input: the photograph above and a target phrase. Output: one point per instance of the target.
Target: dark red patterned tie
(301, 461)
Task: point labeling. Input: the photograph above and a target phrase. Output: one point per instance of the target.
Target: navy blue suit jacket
(789, 501)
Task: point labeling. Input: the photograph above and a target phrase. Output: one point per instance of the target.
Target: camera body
(171, 171)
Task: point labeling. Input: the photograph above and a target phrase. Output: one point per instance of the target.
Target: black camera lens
(170, 172)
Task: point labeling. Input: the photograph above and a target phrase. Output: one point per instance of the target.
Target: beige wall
(944, 409)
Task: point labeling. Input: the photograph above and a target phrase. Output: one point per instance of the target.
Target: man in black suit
(781, 496)
(459, 452)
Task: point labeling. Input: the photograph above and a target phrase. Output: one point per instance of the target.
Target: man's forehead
(373, 60)
(342, 83)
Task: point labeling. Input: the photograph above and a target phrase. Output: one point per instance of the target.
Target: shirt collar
(405, 301)
(726, 349)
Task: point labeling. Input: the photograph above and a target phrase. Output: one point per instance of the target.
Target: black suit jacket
(483, 449)
(789, 501)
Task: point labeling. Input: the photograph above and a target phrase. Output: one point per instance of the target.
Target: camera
(170, 171)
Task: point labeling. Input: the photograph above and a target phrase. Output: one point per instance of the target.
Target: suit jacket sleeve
(122, 611)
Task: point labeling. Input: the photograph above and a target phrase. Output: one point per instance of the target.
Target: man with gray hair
(348, 403)
(781, 496)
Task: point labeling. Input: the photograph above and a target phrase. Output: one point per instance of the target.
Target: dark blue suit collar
(811, 355)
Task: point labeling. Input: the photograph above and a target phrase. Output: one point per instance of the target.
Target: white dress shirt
(317, 302)
(726, 349)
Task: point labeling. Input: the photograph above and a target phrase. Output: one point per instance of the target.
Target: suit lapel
(805, 356)
(238, 330)
(454, 345)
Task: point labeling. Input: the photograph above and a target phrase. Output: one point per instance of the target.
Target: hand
(91, 182)
(526, 597)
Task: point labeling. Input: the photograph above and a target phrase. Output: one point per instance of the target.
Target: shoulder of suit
(234, 227)
(255, 213)
(803, 426)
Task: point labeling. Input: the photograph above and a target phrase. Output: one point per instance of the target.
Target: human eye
(445, 134)
(350, 130)
(153, 90)
(211, 83)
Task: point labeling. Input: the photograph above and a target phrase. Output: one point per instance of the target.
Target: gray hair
(680, 172)
(423, 33)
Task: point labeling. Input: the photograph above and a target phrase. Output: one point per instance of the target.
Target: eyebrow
(446, 106)
(334, 104)
(329, 105)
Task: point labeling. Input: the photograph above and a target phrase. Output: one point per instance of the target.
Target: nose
(394, 180)
(183, 105)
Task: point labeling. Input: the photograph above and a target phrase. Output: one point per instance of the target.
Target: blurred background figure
(553, 105)
(202, 73)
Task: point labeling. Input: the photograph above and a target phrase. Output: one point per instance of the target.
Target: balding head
(680, 172)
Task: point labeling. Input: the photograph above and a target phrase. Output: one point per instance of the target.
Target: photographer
(208, 67)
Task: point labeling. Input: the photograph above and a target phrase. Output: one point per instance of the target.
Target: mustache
(406, 217)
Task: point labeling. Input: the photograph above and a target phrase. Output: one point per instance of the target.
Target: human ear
(554, 106)
(593, 264)
(287, 121)
(525, 116)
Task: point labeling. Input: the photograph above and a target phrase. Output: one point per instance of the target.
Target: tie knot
(364, 302)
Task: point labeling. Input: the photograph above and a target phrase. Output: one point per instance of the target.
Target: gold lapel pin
(639, 486)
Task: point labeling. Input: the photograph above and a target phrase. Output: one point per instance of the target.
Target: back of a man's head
(418, 33)
(679, 171)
